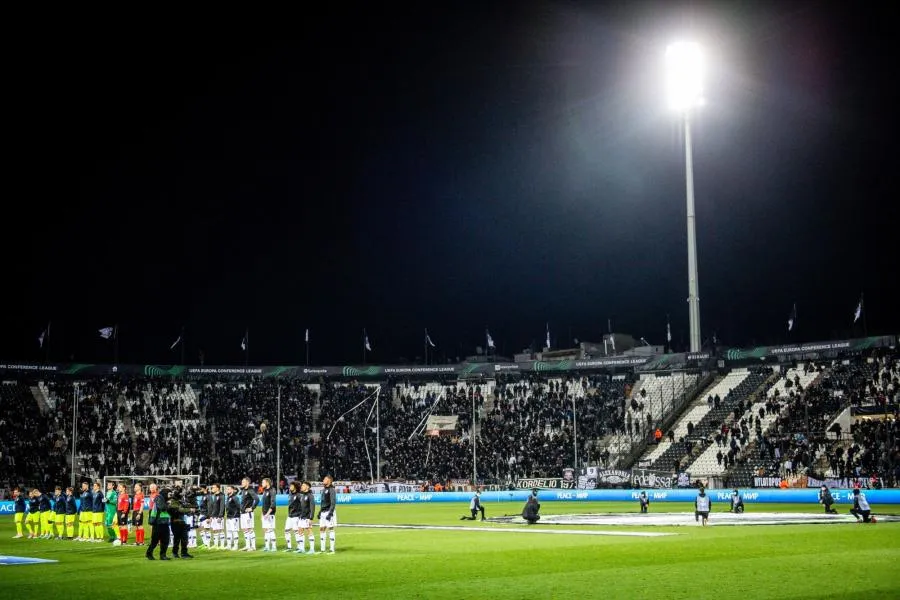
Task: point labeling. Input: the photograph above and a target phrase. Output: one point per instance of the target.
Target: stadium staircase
(735, 386)
(750, 460)
(706, 464)
(311, 465)
(627, 450)
(40, 396)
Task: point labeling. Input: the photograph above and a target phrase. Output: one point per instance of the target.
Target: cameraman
(179, 506)
(531, 512)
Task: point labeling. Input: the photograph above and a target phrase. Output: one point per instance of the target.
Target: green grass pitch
(739, 562)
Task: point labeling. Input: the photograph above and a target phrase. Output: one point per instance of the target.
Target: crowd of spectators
(524, 426)
(802, 441)
(244, 418)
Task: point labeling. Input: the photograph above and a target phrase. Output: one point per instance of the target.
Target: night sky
(493, 168)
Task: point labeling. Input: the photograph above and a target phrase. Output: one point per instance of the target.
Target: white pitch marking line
(516, 530)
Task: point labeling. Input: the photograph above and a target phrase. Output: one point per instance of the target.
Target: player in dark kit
(304, 523)
(71, 512)
(737, 503)
(59, 512)
(85, 513)
(290, 524)
(249, 502)
(204, 503)
(217, 517)
(268, 516)
(45, 508)
(327, 517)
(33, 519)
(645, 502)
(232, 519)
(19, 506)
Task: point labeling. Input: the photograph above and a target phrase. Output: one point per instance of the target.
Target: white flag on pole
(428, 339)
(107, 332)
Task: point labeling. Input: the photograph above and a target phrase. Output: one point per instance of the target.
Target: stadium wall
(751, 496)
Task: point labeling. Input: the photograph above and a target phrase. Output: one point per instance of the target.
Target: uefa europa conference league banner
(198, 372)
(751, 496)
(645, 363)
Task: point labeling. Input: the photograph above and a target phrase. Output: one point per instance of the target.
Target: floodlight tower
(684, 74)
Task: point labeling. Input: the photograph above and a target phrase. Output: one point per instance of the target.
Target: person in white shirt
(702, 506)
(861, 509)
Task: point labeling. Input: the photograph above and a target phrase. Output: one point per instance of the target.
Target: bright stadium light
(684, 73)
(684, 79)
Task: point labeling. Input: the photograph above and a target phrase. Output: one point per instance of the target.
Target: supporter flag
(548, 336)
(490, 340)
(175, 343)
(793, 318)
(668, 330)
(307, 336)
(44, 335)
(244, 341)
(366, 343)
(108, 333)
(859, 308)
(428, 338)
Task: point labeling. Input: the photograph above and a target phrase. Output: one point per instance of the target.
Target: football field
(426, 551)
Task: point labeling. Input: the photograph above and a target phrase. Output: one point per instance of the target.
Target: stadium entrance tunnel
(685, 519)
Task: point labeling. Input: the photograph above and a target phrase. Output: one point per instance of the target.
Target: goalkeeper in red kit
(122, 506)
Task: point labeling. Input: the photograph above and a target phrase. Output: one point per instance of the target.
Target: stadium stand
(681, 438)
(748, 422)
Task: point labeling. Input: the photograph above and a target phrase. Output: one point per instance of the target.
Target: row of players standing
(94, 510)
(222, 517)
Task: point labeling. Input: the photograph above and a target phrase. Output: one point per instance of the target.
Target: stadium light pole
(278, 442)
(684, 76)
(474, 463)
(575, 430)
(74, 427)
(180, 400)
(378, 433)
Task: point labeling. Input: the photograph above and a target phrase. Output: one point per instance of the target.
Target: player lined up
(222, 518)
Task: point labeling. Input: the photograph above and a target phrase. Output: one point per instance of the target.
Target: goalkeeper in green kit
(109, 512)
